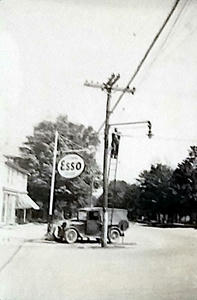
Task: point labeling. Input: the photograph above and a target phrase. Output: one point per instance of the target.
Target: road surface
(152, 264)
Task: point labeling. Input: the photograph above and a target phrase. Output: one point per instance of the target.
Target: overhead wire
(80, 148)
(143, 59)
(169, 33)
(185, 38)
(71, 142)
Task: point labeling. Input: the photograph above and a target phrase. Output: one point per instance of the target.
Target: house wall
(15, 180)
(3, 175)
(12, 182)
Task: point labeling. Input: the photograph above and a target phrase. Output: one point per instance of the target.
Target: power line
(73, 143)
(169, 33)
(188, 35)
(166, 38)
(63, 139)
(144, 58)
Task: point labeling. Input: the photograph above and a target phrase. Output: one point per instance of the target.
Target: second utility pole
(108, 87)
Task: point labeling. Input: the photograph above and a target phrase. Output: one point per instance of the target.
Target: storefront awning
(25, 202)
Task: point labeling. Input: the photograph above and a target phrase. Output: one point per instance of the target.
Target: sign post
(53, 175)
(50, 221)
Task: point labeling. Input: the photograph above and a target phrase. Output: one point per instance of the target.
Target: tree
(154, 190)
(117, 190)
(37, 158)
(116, 193)
(132, 201)
(184, 185)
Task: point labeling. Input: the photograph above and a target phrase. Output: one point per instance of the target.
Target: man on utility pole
(108, 87)
(115, 144)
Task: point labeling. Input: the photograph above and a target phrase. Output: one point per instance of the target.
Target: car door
(93, 223)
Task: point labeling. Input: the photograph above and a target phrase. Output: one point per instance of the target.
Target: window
(82, 215)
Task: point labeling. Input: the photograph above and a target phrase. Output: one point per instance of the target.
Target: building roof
(13, 165)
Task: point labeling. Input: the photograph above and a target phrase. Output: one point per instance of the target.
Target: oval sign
(71, 165)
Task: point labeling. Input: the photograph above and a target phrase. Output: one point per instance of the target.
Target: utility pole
(91, 190)
(108, 87)
(50, 223)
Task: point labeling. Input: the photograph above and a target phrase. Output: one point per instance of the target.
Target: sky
(48, 49)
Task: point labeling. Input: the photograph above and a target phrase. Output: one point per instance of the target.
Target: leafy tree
(184, 184)
(154, 190)
(37, 158)
(116, 193)
(117, 190)
(132, 201)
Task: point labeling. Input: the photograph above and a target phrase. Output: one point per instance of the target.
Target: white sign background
(71, 165)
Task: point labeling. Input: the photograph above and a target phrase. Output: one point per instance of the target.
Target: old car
(88, 225)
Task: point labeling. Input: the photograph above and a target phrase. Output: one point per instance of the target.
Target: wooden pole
(108, 87)
(105, 175)
(53, 176)
(52, 186)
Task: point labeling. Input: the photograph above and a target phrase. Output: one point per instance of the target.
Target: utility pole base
(105, 229)
(50, 230)
(103, 244)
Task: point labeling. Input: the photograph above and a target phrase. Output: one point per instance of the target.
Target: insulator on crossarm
(133, 90)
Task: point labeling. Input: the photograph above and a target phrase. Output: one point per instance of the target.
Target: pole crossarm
(106, 86)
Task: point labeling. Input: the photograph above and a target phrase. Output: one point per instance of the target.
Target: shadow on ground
(168, 225)
(80, 244)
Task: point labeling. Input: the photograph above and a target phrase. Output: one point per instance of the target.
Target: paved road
(154, 264)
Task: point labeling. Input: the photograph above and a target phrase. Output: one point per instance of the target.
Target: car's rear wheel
(114, 235)
(71, 236)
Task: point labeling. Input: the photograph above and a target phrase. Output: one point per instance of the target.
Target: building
(14, 199)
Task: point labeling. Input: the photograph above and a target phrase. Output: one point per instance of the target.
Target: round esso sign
(71, 165)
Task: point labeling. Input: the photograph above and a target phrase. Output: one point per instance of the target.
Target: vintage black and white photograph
(98, 150)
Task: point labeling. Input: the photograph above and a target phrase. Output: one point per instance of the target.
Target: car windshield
(82, 215)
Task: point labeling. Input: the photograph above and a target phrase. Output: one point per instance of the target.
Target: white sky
(49, 48)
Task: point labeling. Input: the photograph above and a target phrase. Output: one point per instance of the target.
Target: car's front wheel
(114, 235)
(71, 236)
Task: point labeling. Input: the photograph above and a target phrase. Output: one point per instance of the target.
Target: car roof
(99, 209)
(90, 208)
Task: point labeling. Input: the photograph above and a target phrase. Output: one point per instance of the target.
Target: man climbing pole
(115, 144)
